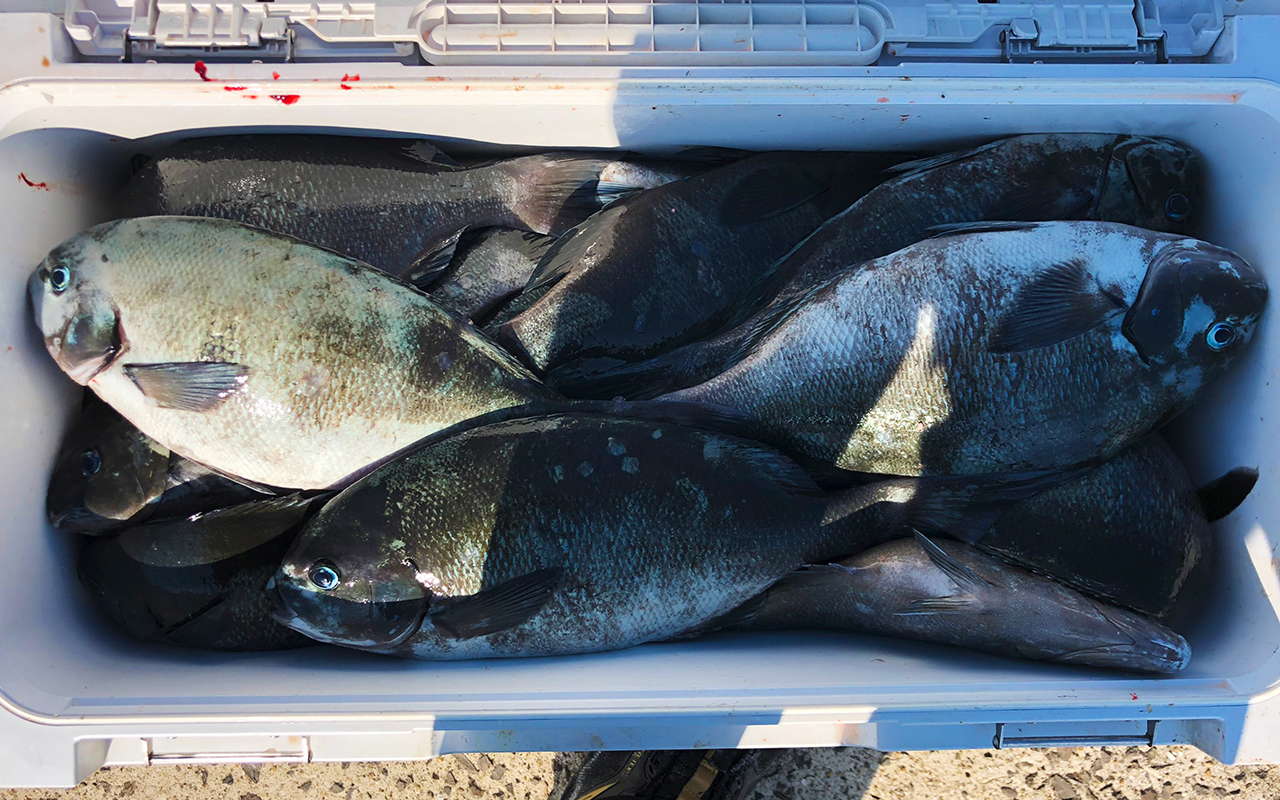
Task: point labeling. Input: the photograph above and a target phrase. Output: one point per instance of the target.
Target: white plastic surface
(653, 32)
(76, 693)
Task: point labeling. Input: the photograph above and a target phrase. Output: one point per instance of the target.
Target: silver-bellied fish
(1138, 180)
(259, 356)
(948, 592)
(396, 205)
(110, 474)
(1129, 531)
(671, 265)
(1019, 346)
(575, 533)
(199, 582)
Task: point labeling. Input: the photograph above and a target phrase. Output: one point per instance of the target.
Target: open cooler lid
(655, 33)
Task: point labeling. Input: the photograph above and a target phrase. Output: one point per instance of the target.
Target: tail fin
(560, 190)
(962, 506)
(1222, 496)
(605, 379)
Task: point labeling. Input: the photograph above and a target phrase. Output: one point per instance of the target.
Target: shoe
(612, 775)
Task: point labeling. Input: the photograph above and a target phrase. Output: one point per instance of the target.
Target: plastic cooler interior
(75, 692)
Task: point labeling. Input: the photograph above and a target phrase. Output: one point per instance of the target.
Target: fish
(385, 202)
(1148, 182)
(1129, 531)
(259, 356)
(489, 268)
(949, 592)
(110, 475)
(199, 582)
(1001, 347)
(670, 265)
(511, 308)
(576, 532)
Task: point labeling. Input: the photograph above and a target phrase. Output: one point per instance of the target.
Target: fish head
(359, 594)
(1151, 183)
(1198, 305)
(75, 314)
(108, 472)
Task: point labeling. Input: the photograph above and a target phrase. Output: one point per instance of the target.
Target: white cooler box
(75, 693)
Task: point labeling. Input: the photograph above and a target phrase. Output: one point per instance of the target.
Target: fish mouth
(280, 612)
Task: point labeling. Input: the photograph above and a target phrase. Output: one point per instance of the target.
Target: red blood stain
(275, 76)
(350, 78)
(202, 71)
(287, 99)
(882, 99)
(22, 176)
(251, 96)
(344, 86)
(235, 88)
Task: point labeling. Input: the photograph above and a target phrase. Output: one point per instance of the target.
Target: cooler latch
(1116, 733)
(227, 749)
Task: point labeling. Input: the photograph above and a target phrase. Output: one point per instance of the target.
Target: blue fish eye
(324, 575)
(90, 463)
(1220, 335)
(59, 279)
(1178, 206)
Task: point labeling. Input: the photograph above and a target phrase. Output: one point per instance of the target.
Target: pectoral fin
(499, 607)
(188, 385)
(1062, 303)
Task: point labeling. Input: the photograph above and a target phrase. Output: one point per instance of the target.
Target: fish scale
(344, 366)
(899, 374)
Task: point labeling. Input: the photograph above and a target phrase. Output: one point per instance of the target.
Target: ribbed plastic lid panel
(658, 33)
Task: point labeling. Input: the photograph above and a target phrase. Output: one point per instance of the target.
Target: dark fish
(512, 308)
(199, 582)
(489, 268)
(1138, 180)
(671, 265)
(109, 474)
(575, 533)
(260, 356)
(950, 593)
(1129, 531)
(1027, 346)
(380, 201)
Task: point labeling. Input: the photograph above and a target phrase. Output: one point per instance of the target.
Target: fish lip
(32, 306)
(280, 612)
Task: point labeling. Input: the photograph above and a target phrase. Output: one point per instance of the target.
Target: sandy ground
(1108, 773)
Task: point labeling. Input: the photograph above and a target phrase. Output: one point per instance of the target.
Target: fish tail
(605, 379)
(559, 192)
(963, 506)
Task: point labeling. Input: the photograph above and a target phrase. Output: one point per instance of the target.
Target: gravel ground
(1108, 773)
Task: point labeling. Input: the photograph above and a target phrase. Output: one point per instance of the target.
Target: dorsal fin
(909, 169)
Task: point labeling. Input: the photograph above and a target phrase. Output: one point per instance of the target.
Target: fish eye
(1220, 335)
(324, 575)
(1178, 206)
(59, 279)
(90, 463)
